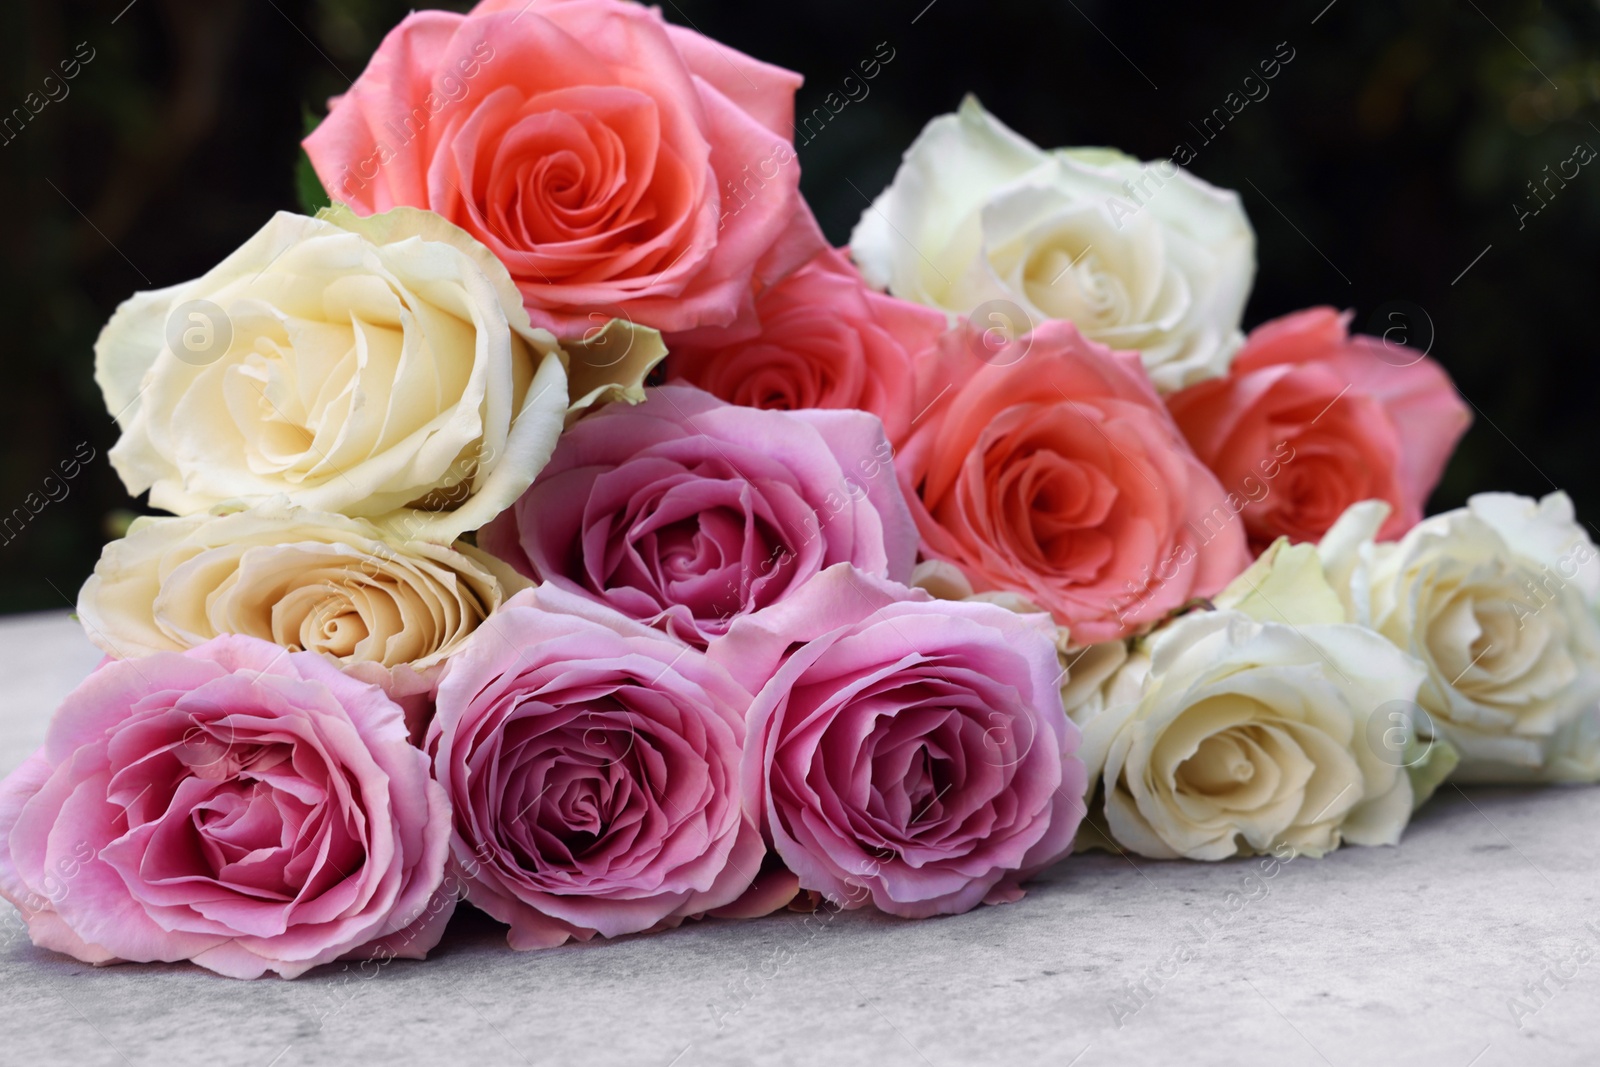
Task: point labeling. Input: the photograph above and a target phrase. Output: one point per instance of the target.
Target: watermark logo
(199, 332)
(998, 332)
(1406, 330)
(1400, 733)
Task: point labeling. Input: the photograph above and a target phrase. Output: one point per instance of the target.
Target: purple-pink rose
(686, 512)
(237, 805)
(593, 764)
(903, 749)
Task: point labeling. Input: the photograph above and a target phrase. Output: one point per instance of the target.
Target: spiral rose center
(1054, 507)
(1220, 764)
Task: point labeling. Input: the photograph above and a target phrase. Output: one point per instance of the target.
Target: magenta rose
(593, 763)
(686, 512)
(237, 805)
(905, 750)
(619, 166)
(825, 340)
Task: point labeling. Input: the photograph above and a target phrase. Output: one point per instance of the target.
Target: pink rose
(593, 764)
(1311, 420)
(826, 341)
(903, 749)
(617, 165)
(237, 805)
(685, 512)
(1048, 467)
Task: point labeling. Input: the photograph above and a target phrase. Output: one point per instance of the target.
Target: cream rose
(377, 367)
(1139, 256)
(304, 580)
(1290, 584)
(1248, 736)
(1497, 599)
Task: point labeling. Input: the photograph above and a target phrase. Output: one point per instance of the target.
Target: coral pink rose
(594, 768)
(620, 167)
(237, 805)
(826, 341)
(903, 749)
(1310, 420)
(686, 512)
(1046, 466)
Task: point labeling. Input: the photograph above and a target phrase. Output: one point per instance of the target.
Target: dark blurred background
(1393, 149)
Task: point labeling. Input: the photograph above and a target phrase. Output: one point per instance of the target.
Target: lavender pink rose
(250, 809)
(903, 750)
(593, 764)
(686, 512)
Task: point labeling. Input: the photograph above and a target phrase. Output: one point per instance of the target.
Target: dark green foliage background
(1388, 154)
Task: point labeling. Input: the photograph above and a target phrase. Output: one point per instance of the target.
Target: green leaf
(307, 186)
(1428, 762)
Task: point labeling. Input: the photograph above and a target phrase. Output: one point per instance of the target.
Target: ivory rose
(381, 368)
(1142, 256)
(593, 764)
(1497, 600)
(686, 512)
(825, 341)
(619, 166)
(237, 805)
(1248, 736)
(1311, 419)
(389, 610)
(1053, 471)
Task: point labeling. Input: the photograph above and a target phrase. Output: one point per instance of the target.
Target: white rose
(301, 579)
(1142, 257)
(380, 367)
(1247, 736)
(1290, 584)
(1497, 599)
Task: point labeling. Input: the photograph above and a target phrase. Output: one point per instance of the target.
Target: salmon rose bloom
(1048, 467)
(619, 166)
(1311, 420)
(826, 340)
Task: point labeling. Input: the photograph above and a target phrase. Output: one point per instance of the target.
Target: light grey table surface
(1407, 955)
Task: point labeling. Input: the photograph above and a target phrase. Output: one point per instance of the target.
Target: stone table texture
(1476, 943)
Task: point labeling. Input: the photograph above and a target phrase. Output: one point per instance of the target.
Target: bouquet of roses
(559, 525)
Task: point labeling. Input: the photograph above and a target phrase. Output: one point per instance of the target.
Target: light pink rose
(686, 512)
(1046, 466)
(619, 166)
(593, 766)
(237, 805)
(906, 750)
(1310, 420)
(826, 340)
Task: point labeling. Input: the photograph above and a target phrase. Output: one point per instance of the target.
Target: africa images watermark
(55, 490)
(1255, 89)
(52, 90)
(1539, 991)
(1137, 994)
(738, 191)
(1207, 528)
(1582, 154)
(450, 89)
